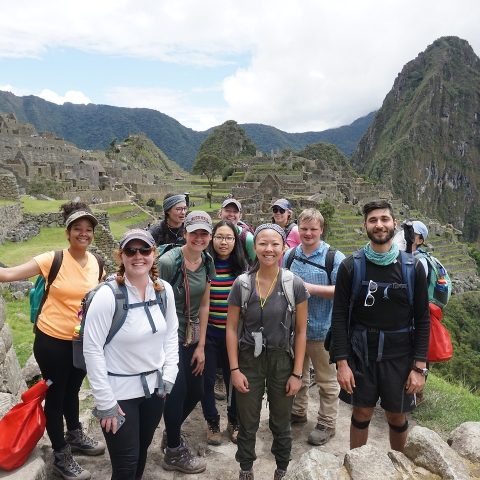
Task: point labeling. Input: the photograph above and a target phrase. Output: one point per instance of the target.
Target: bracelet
(233, 369)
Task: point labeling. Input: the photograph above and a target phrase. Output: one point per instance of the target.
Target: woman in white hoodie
(131, 375)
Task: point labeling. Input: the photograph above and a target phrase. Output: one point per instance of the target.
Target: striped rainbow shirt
(219, 290)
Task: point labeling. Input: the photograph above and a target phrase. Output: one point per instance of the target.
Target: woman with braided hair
(132, 374)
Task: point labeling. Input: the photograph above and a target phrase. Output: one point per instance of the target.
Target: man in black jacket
(377, 355)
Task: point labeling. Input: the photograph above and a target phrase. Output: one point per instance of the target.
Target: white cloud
(315, 64)
(176, 104)
(70, 96)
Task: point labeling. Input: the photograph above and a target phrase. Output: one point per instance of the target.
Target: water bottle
(440, 292)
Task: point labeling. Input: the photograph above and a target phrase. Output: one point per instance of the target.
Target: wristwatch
(423, 371)
(297, 376)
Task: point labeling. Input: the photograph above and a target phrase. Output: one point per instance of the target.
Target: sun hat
(79, 214)
(420, 228)
(283, 203)
(137, 234)
(198, 220)
(229, 201)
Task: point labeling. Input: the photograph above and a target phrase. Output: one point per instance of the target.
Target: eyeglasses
(219, 238)
(370, 299)
(181, 209)
(278, 209)
(130, 251)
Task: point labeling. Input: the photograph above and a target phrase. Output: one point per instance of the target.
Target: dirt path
(221, 464)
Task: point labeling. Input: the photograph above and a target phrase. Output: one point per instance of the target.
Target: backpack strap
(359, 268)
(100, 265)
(408, 275)
(289, 229)
(246, 292)
(287, 287)
(329, 261)
(52, 275)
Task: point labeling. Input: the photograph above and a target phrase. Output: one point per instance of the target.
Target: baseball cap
(283, 203)
(79, 214)
(198, 220)
(229, 201)
(420, 228)
(137, 234)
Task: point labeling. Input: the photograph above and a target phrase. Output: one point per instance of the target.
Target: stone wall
(54, 219)
(12, 384)
(11, 216)
(8, 187)
(107, 196)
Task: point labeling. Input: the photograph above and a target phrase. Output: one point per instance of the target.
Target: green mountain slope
(93, 127)
(424, 142)
(227, 141)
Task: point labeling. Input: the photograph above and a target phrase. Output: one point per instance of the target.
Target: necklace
(262, 304)
(189, 261)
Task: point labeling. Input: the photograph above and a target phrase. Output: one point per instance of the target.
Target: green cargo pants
(271, 369)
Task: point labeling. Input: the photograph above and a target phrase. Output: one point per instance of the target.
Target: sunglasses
(130, 251)
(278, 209)
(370, 299)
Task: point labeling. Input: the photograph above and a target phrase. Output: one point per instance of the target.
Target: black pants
(186, 393)
(55, 359)
(128, 447)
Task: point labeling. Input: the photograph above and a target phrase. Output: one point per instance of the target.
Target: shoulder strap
(289, 229)
(290, 258)
(162, 298)
(120, 314)
(245, 295)
(100, 265)
(408, 274)
(287, 287)
(329, 261)
(207, 261)
(52, 275)
(359, 268)
(177, 266)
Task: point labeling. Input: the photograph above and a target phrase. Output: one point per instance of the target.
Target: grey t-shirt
(276, 320)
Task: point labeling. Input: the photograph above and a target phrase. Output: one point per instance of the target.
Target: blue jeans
(216, 347)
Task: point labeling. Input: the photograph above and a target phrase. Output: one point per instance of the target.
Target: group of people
(227, 302)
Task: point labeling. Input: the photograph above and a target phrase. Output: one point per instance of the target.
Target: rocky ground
(221, 464)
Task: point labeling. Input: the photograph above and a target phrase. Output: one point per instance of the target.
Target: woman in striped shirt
(230, 262)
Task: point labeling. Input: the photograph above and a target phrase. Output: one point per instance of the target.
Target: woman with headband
(79, 272)
(170, 230)
(259, 354)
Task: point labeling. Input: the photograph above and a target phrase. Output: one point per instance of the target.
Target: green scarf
(382, 258)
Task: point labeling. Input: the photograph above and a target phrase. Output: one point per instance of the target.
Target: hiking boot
(65, 466)
(214, 436)
(320, 435)
(279, 474)
(219, 388)
(245, 475)
(164, 444)
(80, 441)
(232, 428)
(182, 460)
(294, 418)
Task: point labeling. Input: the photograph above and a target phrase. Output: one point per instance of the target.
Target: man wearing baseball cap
(232, 210)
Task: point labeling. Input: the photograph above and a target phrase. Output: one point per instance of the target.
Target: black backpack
(329, 260)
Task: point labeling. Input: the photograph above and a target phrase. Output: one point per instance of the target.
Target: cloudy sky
(298, 65)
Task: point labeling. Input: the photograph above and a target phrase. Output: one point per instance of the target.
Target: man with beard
(376, 353)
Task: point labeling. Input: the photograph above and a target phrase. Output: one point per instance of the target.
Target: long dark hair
(237, 259)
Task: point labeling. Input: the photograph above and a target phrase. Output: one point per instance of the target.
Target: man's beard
(382, 241)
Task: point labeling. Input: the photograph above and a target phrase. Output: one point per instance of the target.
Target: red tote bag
(22, 427)
(440, 348)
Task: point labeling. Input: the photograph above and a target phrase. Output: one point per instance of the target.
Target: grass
(32, 205)
(6, 202)
(446, 407)
(12, 253)
(18, 317)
